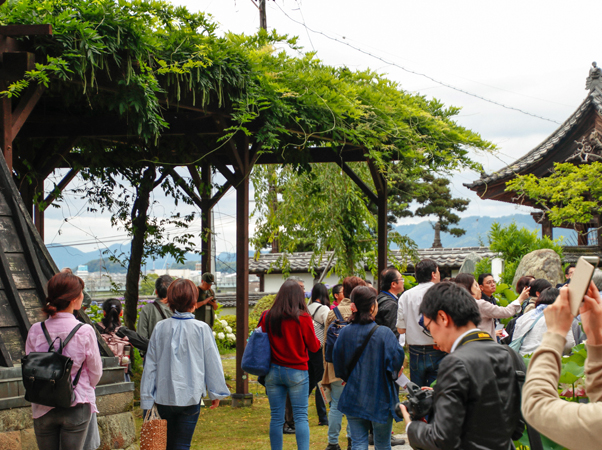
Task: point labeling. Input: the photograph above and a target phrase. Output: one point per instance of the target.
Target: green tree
(147, 286)
(436, 199)
(570, 194)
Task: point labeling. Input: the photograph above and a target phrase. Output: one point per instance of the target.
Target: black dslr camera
(419, 402)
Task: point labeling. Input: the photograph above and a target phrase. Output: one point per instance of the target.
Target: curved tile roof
(594, 99)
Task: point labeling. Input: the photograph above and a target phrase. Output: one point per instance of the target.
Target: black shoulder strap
(358, 353)
(45, 330)
(313, 316)
(70, 335)
(159, 309)
(534, 436)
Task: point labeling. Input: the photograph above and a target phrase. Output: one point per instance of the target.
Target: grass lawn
(248, 428)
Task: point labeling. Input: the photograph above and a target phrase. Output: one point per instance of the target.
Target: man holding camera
(476, 402)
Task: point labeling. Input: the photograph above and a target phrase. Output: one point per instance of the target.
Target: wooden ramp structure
(25, 268)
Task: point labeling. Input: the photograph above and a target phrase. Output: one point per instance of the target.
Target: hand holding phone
(584, 270)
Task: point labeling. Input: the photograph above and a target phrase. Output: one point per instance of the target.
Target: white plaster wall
(273, 281)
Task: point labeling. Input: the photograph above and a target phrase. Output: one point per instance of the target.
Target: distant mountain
(422, 233)
(476, 228)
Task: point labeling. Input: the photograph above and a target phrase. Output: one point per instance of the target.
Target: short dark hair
(364, 298)
(182, 295)
(387, 277)
(425, 269)
(539, 285)
(452, 299)
(161, 285)
(523, 282)
(482, 278)
(337, 288)
(350, 283)
(566, 270)
(547, 296)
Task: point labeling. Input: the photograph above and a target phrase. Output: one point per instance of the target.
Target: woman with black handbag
(292, 336)
(319, 307)
(368, 358)
(65, 428)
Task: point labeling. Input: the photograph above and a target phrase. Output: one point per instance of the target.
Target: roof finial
(594, 79)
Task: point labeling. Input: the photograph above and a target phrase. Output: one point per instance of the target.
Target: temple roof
(550, 150)
(450, 258)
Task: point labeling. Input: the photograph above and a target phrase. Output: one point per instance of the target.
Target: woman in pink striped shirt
(66, 428)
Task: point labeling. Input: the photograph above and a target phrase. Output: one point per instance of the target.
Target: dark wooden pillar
(242, 396)
(206, 219)
(38, 211)
(380, 183)
(581, 234)
(6, 121)
(546, 228)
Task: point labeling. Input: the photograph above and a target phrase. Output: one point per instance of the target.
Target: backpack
(116, 344)
(47, 375)
(333, 333)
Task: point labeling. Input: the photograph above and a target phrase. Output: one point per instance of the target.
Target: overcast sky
(528, 55)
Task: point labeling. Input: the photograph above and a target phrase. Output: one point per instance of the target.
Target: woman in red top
(291, 332)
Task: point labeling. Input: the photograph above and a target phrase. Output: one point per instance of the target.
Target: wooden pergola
(36, 127)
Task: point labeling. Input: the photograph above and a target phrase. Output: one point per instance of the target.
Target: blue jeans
(335, 417)
(181, 422)
(359, 429)
(278, 382)
(424, 364)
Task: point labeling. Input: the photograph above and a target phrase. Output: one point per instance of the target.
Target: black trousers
(316, 372)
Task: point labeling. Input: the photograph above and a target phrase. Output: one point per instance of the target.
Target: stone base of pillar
(242, 400)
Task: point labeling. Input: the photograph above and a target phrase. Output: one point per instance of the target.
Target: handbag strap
(62, 345)
(359, 351)
(159, 309)
(338, 314)
(313, 316)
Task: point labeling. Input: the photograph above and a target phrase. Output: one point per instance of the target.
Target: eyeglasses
(425, 328)
(398, 280)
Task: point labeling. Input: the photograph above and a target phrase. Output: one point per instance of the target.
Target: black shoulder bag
(359, 351)
(47, 375)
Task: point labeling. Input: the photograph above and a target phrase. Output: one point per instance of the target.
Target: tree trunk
(139, 226)
(437, 241)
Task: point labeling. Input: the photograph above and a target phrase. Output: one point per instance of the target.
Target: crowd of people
(352, 351)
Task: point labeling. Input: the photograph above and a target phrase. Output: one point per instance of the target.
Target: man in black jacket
(391, 285)
(477, 384)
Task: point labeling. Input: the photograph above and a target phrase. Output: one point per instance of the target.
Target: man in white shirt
(424, 355)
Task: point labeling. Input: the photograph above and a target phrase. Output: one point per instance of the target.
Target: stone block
(115, 403)
(10, 440)
(15, 419)
(117, 431)
(28, 440)
(543, 263)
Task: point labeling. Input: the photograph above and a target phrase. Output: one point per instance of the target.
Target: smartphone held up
(584, 270)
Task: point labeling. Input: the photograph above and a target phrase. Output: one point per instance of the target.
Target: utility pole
(263, 19)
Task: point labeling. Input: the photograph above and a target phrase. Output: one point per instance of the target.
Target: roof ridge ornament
(594, 78)
(589, 149)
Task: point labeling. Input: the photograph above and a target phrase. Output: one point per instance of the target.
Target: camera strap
(359, 351)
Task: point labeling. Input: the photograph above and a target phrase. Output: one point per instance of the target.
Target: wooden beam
(204, 188)
(61, 186)
(26, 30)
(5, 359)
(182, 184)
(219, 194)
(230, 146)
(38, 213)
(26, 104)
(357, 180)
(380, 182)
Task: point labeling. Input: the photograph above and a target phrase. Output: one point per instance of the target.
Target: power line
(417, 73)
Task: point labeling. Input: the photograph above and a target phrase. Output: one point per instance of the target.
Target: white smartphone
(584, 270)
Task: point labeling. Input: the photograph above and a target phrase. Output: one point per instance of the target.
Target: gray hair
(597, 278)
(297, 279)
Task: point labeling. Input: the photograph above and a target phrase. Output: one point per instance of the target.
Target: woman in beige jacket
(573, 425)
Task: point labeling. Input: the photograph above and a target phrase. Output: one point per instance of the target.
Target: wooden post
(38, 211)
(6, 123)
(242, 396)
(546, 228)
(206, 222)
(383, 245)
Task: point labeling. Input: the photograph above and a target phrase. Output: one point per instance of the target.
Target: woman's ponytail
(112, 308)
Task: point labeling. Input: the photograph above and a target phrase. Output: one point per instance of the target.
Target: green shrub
(263, 304)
